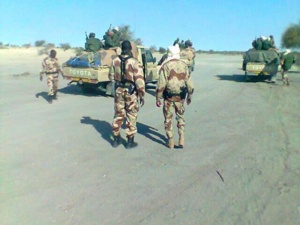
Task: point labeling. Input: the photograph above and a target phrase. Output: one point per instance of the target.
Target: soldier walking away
(287, 60)
(173, 85)
(51, 68)
(127, 73)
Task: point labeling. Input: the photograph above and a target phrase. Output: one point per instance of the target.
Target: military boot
(171, 143)
(116, 141)
(287, 81)
(181, 141)
(130, 143)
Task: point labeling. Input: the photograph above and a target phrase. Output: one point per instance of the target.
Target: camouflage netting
(264, 56)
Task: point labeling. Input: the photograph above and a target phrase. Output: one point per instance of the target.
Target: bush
(78, 51)
(153, 48)
(65, 46)
(39, 43)
(50, 45)
(162, 50)
(43, 51)
(26, 45)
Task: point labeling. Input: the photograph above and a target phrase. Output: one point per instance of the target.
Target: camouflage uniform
(51, 68)
(188, 56)
(174, 77)
(126, 104)
(287, 60)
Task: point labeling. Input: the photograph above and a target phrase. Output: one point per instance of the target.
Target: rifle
(86, 37)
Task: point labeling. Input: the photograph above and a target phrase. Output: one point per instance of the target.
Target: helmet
(92, 35)
(188, 43)
(126, 45)
(116, 28)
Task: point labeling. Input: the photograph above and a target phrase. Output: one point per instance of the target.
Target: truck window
(149, 57)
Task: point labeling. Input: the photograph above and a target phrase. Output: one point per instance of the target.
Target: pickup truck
(259, 63)
(95, 75)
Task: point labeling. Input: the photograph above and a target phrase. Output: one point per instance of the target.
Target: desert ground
(240, 163)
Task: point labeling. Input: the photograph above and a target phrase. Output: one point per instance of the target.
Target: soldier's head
(116, 29)
(52, 53)
(188, 43)
(92, 35)
(126, 47)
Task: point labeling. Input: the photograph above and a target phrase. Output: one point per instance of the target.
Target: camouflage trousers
(169, 108)
(52, 82)
(126, 106)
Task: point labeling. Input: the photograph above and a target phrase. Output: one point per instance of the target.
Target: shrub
(162, 50)
(65, 46)
(39, 43)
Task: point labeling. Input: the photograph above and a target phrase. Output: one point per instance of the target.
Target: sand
(240, 164)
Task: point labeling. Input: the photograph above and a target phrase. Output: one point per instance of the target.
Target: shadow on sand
(44, 95)
(104, 128)
(77, 90)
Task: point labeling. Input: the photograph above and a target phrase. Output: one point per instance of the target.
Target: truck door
(151, 67)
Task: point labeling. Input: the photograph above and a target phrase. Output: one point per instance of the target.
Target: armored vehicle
(91, 70)
(259, 63)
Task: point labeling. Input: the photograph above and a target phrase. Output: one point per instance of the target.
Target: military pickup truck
(91, 70)
(260, 63)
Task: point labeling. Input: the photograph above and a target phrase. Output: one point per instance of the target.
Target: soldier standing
(173, 85)
(188, 55)
(127, 73)
(287, 60)
(51, 68)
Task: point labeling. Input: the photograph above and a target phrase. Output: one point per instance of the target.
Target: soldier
(127, 73)
(188, 55)
(287, 60)
(112, 38)
(51, 68)
(173, 84)
(92, 43)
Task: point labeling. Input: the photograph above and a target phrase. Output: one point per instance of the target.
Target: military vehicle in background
(258, 63)
(91, 70)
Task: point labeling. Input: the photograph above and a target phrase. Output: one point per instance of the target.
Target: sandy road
(58, 166)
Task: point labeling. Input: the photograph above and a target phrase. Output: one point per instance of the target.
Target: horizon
(211, 25)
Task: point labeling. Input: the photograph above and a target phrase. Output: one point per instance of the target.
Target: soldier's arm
(161, 84)
(111, 74)
(139, 79)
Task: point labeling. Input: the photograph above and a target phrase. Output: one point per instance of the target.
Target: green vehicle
(95, 75)
(260, 64)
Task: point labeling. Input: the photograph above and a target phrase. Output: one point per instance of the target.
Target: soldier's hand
(189, 100)
(41, 77)
(158, 103)
(142, 101)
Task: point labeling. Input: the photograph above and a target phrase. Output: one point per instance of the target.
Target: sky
(219, 25)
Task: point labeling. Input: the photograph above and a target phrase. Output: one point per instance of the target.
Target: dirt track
(240, 164)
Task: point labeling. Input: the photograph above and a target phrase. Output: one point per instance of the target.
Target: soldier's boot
(171, 143)
(55, 96)
(130, 143)
(181, 141)
(287, 81)
(116, 141)
(50, 99)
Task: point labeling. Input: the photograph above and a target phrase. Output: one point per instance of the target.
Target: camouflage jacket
(133, 74)
(173, 76)
(188, 55)
(50, 65)
(287, 61)
(93, 44)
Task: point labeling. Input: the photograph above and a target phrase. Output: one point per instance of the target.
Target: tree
(65, 46)
(153, 48)
(291, 36)
(127, 34)
(162, 50)
(39, 43)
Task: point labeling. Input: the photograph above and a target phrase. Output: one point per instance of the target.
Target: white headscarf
(174, 51)
(287, 51)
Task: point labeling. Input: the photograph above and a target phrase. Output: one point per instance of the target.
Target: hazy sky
(210, 24)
